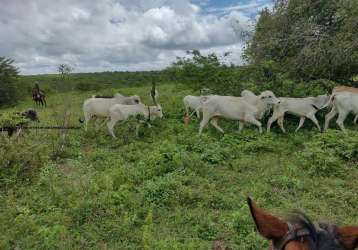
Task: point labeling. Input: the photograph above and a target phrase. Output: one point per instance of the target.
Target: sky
(121, 35)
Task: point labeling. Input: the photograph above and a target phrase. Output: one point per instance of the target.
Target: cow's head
(156, 112)
(269, 97)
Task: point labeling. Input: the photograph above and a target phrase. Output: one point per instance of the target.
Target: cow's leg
(187, 110)
(329, 117)
(197, 111)
(204, 121)
(87, 119)
(241, 126)
(253, 120)
(110, 125)
(355, 119)
(313, 118)
(280, 123)
(45, 102)
(272, 119)
(302, 120)
(214, 122)
(340, 120)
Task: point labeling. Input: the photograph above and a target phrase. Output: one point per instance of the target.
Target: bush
(8, 77)
(19, 162)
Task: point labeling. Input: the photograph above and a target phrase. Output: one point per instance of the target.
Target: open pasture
(168, 188)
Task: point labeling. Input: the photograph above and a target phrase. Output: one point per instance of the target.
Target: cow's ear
(269, 226)
(348, 237)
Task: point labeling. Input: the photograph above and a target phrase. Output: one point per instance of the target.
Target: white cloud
(112, 35)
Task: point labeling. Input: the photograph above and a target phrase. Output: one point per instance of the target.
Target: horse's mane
(298, 217)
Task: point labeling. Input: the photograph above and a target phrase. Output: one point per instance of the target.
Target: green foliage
(19, 162)
(8, 76)
(323, 156)
(308, 40)
(11, 119)
(167, 188)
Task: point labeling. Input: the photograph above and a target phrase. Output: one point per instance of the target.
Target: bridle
(294, 233)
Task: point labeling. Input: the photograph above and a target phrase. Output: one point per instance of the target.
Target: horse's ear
(268, 225)
(348, 237)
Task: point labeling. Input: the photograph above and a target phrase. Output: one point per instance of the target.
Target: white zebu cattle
(193, 103)
(343, 103)
(303, 107)
(253, 99)
(346, 89)
(120, 112)
(235, 108)
(99, 107)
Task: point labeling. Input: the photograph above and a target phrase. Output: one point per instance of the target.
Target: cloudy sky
(108, 35)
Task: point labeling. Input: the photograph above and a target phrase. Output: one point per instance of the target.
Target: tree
(308, 39)
(8, 77)
(64, 69)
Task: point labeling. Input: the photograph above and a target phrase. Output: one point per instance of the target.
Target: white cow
(99, 107)
(343, 103)
(303, 107)
(235, 108)
(342, 88)
(121, 112)
(193, 103)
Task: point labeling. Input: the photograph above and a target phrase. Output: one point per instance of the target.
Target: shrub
(19, 162)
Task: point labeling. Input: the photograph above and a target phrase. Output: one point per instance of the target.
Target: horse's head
(299, 233)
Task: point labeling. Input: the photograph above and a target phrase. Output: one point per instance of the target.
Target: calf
(120, 112)
(99, 107)
(193, 103)
(302, 107)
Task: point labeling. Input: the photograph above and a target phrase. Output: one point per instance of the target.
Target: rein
(294, 233)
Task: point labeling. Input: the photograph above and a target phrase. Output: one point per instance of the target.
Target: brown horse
(299, 233)
(38, 96)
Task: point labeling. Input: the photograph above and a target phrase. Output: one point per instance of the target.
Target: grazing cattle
(236, 108)
(299, 233)
(346, 89)
(120, 112)
(99, 107)
(343, 103)
(193, 103)
(303, 107)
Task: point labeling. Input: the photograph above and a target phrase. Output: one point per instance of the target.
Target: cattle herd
(246, 109)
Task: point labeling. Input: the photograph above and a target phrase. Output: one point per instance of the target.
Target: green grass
(167, 188)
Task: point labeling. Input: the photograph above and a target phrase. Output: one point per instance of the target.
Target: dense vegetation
(169, 188)
(8, 77)
(308, 39)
